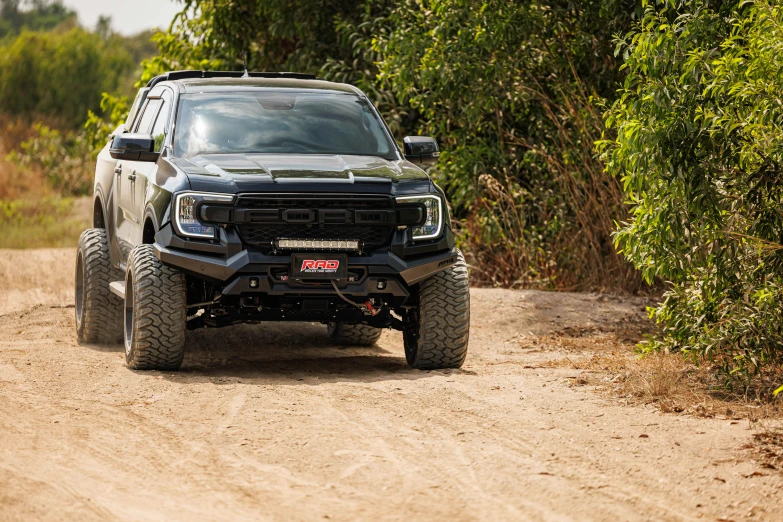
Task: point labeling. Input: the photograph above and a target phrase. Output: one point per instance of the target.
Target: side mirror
(133, 146)
(421, 150)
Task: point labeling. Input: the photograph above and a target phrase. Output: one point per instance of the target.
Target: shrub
(512, 91)
(699, 146)
(59, 75)
(65, 158)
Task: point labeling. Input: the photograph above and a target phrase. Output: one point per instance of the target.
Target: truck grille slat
(371, 235)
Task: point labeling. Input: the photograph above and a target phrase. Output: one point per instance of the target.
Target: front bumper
(231, 266)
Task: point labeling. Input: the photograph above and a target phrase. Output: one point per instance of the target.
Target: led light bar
(321, 244)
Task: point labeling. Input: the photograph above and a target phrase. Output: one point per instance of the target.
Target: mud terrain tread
(354, 334)
(158, 341)
(102, 311)
(440, 336)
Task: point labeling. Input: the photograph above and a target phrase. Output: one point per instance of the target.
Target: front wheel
(436, 333)
(155, 313)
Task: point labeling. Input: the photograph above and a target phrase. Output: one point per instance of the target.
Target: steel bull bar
(245, 264)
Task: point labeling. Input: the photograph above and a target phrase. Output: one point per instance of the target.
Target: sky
(127, 16)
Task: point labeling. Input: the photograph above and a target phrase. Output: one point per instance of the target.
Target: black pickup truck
(232, 198)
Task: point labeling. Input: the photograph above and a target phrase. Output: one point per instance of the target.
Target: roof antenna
(246, 75)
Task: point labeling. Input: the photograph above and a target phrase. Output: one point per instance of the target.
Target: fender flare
(98, 195)
(149, 214)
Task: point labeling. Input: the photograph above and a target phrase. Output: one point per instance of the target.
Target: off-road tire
(354, 334)
(98, 311)
(155, 313)
(436, 334)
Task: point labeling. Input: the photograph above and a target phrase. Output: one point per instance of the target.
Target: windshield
(279, 122)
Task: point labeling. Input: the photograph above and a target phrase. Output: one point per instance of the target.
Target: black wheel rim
(128, 312)
(79, 288)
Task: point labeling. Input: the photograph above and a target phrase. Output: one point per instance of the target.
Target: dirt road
(271, 423)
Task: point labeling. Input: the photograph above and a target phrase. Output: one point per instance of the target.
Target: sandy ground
(271, 423)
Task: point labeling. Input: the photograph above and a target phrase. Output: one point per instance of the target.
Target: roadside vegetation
(629, 146)
(698, 144)
(53, 74)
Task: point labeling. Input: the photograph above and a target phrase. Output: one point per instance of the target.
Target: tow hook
(367, 308)
(373, 312)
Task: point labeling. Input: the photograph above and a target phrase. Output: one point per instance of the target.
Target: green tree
(62, 74)
(512, 90)
(295, 35)
(34, 15)
(699, 145)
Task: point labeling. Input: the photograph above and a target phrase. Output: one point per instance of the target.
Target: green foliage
(59, 77)
(511, 91)
(480, 73)
(65, 158)
(97, 129)
(43, 15)
(699, 145)
(61, 74)
(275, 35)
(44, 222)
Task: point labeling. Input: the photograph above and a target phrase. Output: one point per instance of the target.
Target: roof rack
(183, 75)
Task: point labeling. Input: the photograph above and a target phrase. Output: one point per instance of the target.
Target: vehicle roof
(193, 85)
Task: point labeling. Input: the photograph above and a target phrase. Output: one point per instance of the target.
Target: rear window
(279, 122)
(150, 111)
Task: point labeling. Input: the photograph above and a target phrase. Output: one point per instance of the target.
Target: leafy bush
(64, 157)
(42, 15)
(98, 128)
(513, 90)
(699, 145)
(61, 74)
(50, 73)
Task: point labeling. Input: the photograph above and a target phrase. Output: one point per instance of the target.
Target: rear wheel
(354, 334)
(155, 313)
(436, 333)
(98, 311)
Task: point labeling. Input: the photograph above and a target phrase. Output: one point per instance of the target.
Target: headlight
(185, 215)
(434, 223)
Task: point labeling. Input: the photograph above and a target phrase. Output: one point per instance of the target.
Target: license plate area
(319, 266)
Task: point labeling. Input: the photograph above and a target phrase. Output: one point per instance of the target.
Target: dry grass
(768, 446)
(16, 183)
(556, 235)
(609, 360)
(45, 222)
(32, 214)
(674, 384)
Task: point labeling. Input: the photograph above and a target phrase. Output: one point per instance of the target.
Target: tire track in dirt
(270, 422)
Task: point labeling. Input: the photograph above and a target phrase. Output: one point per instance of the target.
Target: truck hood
(272, 172)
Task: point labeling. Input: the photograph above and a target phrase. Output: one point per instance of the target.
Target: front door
(134, 176)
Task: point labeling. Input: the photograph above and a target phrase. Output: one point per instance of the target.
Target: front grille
(326, 201)
(264, 234)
